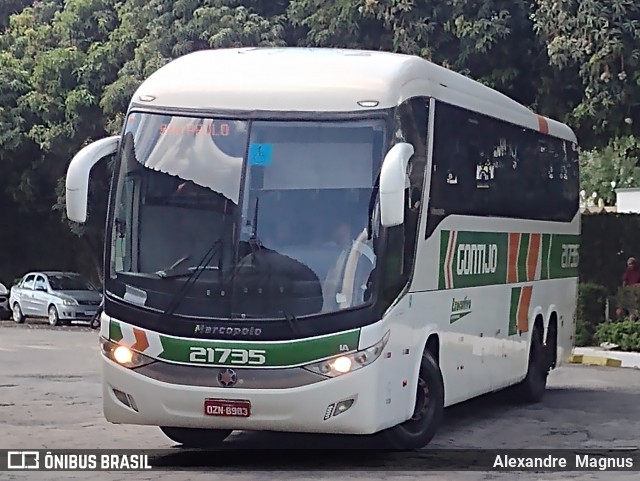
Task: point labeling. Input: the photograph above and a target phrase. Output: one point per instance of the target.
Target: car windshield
(61, 282)
(282, 209)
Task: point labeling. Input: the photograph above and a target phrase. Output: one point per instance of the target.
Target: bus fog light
(345, 363)
(124, 398)
(342, 406)
(123, 355)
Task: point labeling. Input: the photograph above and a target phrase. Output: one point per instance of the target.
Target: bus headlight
(344, 363)
(123, 355)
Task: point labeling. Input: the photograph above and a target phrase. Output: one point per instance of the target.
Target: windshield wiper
(190, 270)
(170, 272)
(292, 321)
(193, 277)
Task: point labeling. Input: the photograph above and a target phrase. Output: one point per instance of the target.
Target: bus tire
(532, 388)
(418, 431)
(196, 437)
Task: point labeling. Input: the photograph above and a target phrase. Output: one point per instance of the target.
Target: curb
(594, 360)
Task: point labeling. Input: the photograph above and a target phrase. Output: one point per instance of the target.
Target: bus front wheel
(428, 412)
(195, 437)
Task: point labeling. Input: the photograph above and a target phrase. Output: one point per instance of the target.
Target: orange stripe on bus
(523, 309)
(532, 257)
(543, 125)
(512, 264)
(141, 343)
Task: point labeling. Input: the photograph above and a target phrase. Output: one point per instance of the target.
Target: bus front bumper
(132, 398)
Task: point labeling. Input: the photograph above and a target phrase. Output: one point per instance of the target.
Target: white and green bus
(329, 241)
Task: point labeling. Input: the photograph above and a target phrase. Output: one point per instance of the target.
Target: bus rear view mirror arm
(77, 184)
(393, 182)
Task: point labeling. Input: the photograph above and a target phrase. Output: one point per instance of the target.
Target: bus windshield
(282, 209)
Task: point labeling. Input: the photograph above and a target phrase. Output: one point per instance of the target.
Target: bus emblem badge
(227, 377)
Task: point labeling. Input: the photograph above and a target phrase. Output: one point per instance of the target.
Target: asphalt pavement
(50, 397)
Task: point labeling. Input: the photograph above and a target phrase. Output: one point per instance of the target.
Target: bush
(625, 334)
(592, 301)
(628, 301)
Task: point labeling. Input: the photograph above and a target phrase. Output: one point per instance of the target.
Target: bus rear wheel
(532, 387)
(196, 437)
(428, 412)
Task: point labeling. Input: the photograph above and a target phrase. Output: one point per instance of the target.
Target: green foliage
(618, 162)
(628, 300)
(590, 313)
(600, 41)
(625, 334)
(68, 70)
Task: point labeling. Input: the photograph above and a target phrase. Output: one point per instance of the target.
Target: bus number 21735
(210, 355)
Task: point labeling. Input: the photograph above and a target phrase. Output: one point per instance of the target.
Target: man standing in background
(632, 273)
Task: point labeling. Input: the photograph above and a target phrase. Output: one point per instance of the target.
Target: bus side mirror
(393, 178)
(77, 184)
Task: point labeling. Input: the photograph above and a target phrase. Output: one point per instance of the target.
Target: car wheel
(196, 437)
(17, 313)
(54, 318)
(418, 431)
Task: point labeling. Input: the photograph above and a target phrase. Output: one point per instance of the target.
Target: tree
(615, 166)
(600, 41)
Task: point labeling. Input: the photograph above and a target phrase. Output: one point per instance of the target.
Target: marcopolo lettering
(228, 331)
(474, 259)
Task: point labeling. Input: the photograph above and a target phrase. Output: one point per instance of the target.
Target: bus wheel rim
(422, 401)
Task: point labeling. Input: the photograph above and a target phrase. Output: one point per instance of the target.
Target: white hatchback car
(60, 297)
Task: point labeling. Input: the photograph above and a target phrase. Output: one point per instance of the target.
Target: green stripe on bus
(480, 258)
(563, 263)
(115, 331)
(257, 354)
(513, 310)
(523, 251)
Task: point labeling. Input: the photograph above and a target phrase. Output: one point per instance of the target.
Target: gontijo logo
(476, 259)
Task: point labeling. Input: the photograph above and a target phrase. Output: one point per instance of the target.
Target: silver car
(60, 297)
(5, 312)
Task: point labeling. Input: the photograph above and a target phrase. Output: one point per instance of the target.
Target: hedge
(592, 301)
(624, 334)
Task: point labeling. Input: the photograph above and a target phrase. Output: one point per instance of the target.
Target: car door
(25, 295)
(40, 297)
